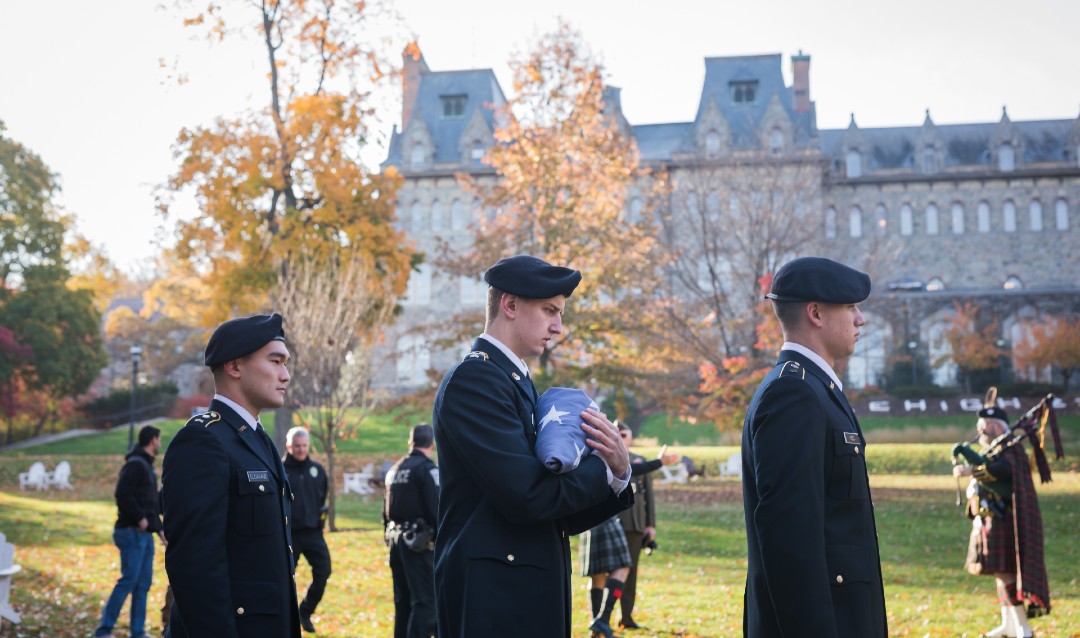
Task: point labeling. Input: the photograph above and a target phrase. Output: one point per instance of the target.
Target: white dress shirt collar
(524, 367)
(244, 414)
(816, 358)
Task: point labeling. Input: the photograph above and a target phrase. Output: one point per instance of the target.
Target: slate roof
(657, 142)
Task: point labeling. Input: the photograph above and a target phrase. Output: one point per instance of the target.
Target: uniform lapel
(247, 435)
(523, 382)
(834, 391)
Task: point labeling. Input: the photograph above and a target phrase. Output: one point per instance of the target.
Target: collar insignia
(517, 377)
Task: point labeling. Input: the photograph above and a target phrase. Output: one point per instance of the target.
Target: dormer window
(854, 164)
(929, 161)
(1006, 158)
(712, 144)
(743, 92)
(453, 106)
(776, 141)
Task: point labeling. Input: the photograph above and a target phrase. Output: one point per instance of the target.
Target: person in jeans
(138, 519)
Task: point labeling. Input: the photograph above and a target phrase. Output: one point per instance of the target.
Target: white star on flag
(552, 415)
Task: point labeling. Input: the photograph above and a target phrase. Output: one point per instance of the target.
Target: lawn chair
(732, 467)
(36, 477)
(358, 481)
(61, 477)
(676, 473)
(7, 570)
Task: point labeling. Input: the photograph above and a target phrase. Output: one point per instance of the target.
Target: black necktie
(267, 444)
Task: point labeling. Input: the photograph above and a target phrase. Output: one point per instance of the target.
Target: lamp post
(912, 345)
(135, 352)
(1002, 344)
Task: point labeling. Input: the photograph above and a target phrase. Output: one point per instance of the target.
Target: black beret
(819, 279)
(993, 412)
(239, 337)
(532, 278)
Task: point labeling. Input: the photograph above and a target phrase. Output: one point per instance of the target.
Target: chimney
(800, 71)
(413, 67)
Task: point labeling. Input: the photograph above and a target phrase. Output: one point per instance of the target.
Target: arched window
(457, 215)
(983, 215)
(854, 163)
(1012, 282)
(935, 284)
(413, 359)
(712, 208)
(419, 288)
(1006, 158)
(855, 222)
(881, 220)
(906, 220)
(417, 156)
(830, 223)
(712, 143)
(416, 216)
(637, 205)
(436, 215)
(958, 218)
(1035, 215)
(941, 350)
(1061, 214)
(692, 205)
(931, 219)
(1008, 216)
(929, 164)
(776, 141)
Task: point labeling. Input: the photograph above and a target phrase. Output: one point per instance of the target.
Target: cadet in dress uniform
(225, 498)
(411, 509)
(502, 556)
(813, 564)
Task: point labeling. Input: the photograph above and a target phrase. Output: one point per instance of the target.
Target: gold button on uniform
(239, 611)
(262, 488)
(510, 557)
(839, 578)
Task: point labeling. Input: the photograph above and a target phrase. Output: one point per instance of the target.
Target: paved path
(60, 436)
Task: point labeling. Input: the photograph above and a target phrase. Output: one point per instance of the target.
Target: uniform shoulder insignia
(478, 355)
(792, 369)
(205, 419)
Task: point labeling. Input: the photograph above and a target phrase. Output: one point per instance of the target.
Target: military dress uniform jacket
(813, 564)
(643, 513)
(226, 504)
(502, 556)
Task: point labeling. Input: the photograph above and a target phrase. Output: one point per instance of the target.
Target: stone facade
(939, 215)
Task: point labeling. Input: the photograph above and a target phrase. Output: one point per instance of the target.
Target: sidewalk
(60, 436)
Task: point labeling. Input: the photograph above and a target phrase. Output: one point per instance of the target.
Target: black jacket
(813, 567)
(309, 486)
(137, 492)
(412, 490)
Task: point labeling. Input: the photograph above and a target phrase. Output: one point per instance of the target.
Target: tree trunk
(283, 418)
(331, 517)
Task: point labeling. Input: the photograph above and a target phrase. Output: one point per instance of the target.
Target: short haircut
(422, 436)
(295, 432)
(493, 299)
(788, 312)
(619, 423)
(148, 433)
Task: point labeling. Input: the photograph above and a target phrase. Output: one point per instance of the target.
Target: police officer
(226, 500)
(309, 485)
(814, 568)
(409, 513)
(502, 558)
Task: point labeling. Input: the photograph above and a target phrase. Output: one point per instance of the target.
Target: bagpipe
(993, 496)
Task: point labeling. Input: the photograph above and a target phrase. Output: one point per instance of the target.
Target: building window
(906, 225)
(417, 157)
(1061, 214)
(637, 205)
(712, 208)
(419, 289)
(457, 215)
(881, 220)
(692, 205)
(983, 215)
(1008, 217)
(453, 106)
(1035, 215)
(712, 143)
(855, 221)
(743, 92)
(1006, 158)
(931, 220)
(854, 164)
(472, 291)
(413, 359)
(776, 141)
(477, 154)
(929, 164)
(958, 218)
(1013, 283)
(436, 215)
(416, 216)
(935, 284)
(830, 223)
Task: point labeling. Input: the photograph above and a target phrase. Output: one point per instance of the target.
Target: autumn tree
(286, 179)
(336, 308)
(972, 342)
(566, 169)
(1052, 343)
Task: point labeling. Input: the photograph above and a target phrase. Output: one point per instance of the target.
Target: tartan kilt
(992, 547)
(603, 549)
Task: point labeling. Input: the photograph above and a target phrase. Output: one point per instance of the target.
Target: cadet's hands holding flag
(603, 436)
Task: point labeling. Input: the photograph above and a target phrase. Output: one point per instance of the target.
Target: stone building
(939, 215)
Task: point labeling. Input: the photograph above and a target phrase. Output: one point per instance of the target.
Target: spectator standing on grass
(138, 520)
(226, 500)
(309, 484)
(813, 565)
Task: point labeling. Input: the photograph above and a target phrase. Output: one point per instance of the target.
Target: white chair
(676, 473)
(732, 467)
(60, 477)
(35, 477)
(7, 569)
(358, 481)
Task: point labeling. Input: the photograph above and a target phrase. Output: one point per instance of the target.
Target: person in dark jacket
(225, 498)
(813, 565)
(138, 519)
(502, 556)
(309, 485)
(409, 514)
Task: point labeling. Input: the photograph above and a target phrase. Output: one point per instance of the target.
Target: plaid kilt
(992, 547)
(603, 548)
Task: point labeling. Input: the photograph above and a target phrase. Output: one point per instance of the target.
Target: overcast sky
(91, 86)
